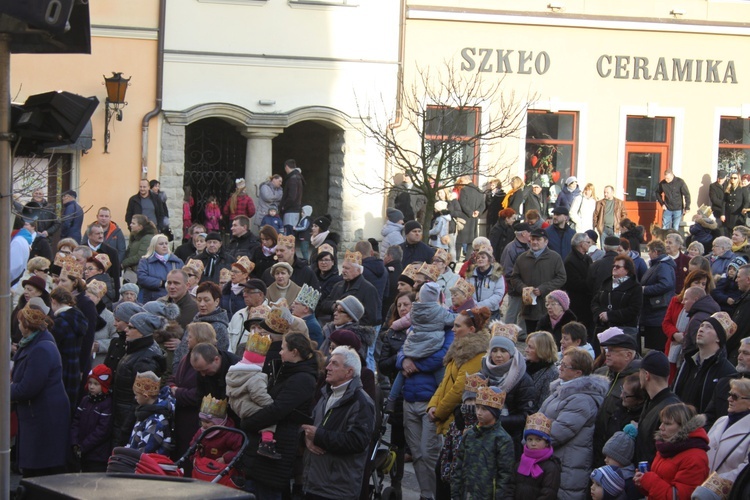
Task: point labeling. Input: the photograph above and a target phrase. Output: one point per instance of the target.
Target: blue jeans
(670, 219)
(371, 351)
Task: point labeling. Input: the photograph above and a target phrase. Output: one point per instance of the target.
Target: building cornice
(133, 32)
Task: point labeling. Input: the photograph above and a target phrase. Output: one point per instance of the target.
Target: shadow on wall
(702, 196)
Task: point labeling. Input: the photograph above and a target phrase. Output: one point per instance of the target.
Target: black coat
(645, 444)
(695, 384)
(292, 389)
(500, 235)
(576, 269)
(134, 208)
(622, 305)
(114, 270)
(545, 324)
(716, 197)
(360, 288)
(494, 202)
(470, 199)
(541, 488)
(223, 260)
(216, 385)
(734, 202)
(243, 245)
(600, 270)
(741, 317)
(261, 261)
(291, 200)
(417, 252)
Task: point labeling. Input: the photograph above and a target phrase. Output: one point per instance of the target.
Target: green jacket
(485, 464)
(137, 248)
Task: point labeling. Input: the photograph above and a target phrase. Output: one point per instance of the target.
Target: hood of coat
(693, 428)
(495, 274)
(464, 349)
(705, 304)
(662, 259)
(707, 223)
(428, 315)
(219, 315)
(375, 266)
(391, 227)
(593, 385)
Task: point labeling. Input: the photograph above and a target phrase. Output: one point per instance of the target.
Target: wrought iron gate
(214, 157)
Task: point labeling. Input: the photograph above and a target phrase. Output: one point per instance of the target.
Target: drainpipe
(399, 88)
(159, 89)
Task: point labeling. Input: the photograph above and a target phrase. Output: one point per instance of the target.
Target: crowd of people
(543, 366)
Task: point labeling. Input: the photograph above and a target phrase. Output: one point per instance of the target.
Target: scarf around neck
(269, 251)
(529, 464)
(27, 340)
(668, 449)
(319, 238)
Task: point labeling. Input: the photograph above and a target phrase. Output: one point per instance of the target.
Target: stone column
(258, 158)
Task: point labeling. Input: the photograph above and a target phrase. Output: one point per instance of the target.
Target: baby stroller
(205, 469)
(382, 460)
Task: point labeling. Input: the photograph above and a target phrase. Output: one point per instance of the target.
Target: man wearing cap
(719, 406)
(621, 360)
(673, 195)
(535, 200)
(415, 250)
(608, 213)
(72, 216)
(254, 295)
(702, 369)
(243, 241)
(147, 203)
(540, 269)
(214, 258)
(653, 374)
(96, 243)
(301, 272)
(600, 270)
(559, 233)
(568, 193)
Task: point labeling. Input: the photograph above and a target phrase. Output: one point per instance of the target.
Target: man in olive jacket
(540, 268)
(343, 423)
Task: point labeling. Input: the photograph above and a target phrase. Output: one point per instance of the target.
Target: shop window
(734, 145)
(551, 144)
(450, 140)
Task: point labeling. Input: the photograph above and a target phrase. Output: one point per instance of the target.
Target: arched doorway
(214, 157)
(309, 143)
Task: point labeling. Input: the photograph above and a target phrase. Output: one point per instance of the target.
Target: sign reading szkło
(527, 62)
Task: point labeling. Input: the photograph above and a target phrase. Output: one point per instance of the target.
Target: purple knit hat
(561, 298)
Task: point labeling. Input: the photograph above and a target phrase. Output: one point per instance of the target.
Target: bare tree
(447, 125)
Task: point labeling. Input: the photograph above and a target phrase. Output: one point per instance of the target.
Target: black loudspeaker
(48, 15)
(51, 119)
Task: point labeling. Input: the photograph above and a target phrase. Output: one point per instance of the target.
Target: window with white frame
(734, 144)
(551, 146)
(450, 140)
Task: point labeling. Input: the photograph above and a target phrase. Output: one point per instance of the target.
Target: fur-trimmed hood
(693, 428)
(464, 349)
(495, 274)
(707, 223)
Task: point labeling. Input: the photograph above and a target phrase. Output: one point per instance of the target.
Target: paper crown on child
(538, 425)
(308, 296)
(104, 259)
(353, 258)
(258, 343)
(214, 407)
(195, 265)
(244, 264)
(472, 385)
(493, 397)
(705, 211)
(225, 275)
(146, 386)
(500, 329)
(442, 254)
(718, 485)
(463, 286)
(71, 267)
(285, 241)
(97, 288)
(430, 270)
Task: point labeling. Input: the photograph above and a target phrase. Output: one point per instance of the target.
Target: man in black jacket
(188, 248)
(653, 374)
(674, 196)
(243, 241)
(577, 265)
(212, 366)
(602, 268)
(147, 203)
(716, 198)
(354, 283)
(214, 258)
(415, 250)
(291, 199)
(741, 315)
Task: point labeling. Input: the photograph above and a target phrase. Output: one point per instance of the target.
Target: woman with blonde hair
(516, 196)
(582, 209)
(239, 203)
(541, 356)
(154, 267)
(736, 199)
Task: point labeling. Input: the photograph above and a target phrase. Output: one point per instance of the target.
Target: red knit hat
(103, 375)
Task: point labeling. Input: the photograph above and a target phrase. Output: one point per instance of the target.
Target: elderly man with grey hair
(721, 256)
(338, 440)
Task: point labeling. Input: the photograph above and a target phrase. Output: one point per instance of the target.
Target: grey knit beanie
(620, 447)
(126, 310)
(146, 323)
(352, 306)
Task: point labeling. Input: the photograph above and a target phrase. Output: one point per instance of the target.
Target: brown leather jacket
(620, 213)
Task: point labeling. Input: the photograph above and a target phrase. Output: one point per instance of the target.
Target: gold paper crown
(538, 422)
(258, 343)
(225, 275)
(442, 254)
(260, 311)
(195, 265)
(308, 296)
(486, 249)
(353, 258)
(500, 329)
(464, 287)
(285, 241)
(214, 407)
(705, 211)
(411, 270)
(104, 259)
(718, 485)
(280, 303)
(474, 382)
(430, 270)
(146, 386)
(491, 396)
(277, 321)
(730, 327)
(245, 264)
(59, 259)
(97, 288)
(325, 247)
(71, 267)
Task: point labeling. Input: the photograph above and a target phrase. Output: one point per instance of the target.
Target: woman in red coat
(681, 463)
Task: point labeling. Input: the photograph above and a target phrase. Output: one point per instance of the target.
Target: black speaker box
(49, 15)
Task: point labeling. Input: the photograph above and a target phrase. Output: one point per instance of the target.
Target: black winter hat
(323, 222)
(411, 226)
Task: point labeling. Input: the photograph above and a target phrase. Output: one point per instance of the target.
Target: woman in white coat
(730, 436)
(582, 209)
